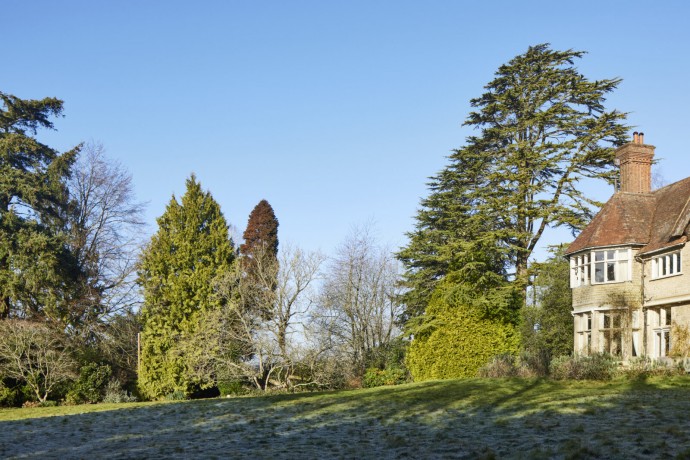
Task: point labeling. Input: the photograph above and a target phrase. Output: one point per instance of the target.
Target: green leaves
(543, 127)
(36, 270)
(191, 248)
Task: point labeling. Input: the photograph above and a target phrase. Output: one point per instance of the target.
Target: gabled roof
(654, 220)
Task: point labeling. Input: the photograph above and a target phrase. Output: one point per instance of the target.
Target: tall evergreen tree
(36, 268)
(262, 230)
(192, 247)
(543, 128)
(260, 258)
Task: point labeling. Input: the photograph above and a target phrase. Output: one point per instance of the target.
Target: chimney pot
(635, 139)
(641, 138)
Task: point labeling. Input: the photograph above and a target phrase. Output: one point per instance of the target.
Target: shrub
(599, 366)
(47, 403)
(500, 366)
(9, 396)
(644, 367)
(114, 393)
(458, 340)
(177, 395)
(534, 363)
(379, 377)
(91, 385)
(231, 388)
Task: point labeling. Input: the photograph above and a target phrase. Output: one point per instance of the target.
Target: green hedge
(458, 341)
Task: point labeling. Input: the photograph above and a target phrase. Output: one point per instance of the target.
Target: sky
(336, 112)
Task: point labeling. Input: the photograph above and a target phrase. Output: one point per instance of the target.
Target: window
(580, 270)
(585, 333)
(666, 265)
(611, 333)
(611, 265)
(662, 333)
(596, 267)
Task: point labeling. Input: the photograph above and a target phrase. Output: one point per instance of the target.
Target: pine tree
(543, 128)
(36, 268)
(191, 248)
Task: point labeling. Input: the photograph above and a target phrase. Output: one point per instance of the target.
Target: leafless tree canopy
(36, 354)
(358, 302)
(106, 223)
(251, 339)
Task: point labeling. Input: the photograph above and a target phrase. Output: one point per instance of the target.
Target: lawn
(475, 418)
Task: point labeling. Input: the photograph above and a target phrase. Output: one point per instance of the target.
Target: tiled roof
(652, 220)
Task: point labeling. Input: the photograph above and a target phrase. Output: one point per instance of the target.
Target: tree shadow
(476, 418)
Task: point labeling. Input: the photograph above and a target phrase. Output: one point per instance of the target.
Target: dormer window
(666, 265)
(599, 267)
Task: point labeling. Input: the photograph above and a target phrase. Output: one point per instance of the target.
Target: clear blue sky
(335, 112)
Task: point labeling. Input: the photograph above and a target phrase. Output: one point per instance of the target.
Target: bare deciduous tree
(358, 302)
(251, 338)
(105, 225)
(36, 354)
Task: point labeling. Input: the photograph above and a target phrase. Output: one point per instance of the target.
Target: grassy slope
(505, 418)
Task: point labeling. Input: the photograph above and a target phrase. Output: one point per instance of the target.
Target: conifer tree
(36, 268)
(542, 128)
(262, 230)
(260, 258)
(177, 269)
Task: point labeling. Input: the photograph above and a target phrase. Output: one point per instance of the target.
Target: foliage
(255, 345)
(375, 377)
(543, 127)
(458, 336)
(261, 232)
(115, 394)
(599, 366)
(90, 387)
(231, 388)
(36, 354)
(526, 365)
(37, 271)
(680, 343)
(547, 325)
(177, 269)
(10, 394)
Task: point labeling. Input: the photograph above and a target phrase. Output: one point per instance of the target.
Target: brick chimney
(635, 162)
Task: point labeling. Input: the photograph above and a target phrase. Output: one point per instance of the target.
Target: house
(630, 267)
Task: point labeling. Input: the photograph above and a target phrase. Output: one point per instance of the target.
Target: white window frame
(580, 270)
(614, 263)
(662, 333)
(585, 332)
(583, 267)
(665, 265)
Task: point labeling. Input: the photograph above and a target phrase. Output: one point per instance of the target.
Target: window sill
(666, 276)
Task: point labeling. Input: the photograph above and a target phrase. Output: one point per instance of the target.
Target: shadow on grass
(474, 418)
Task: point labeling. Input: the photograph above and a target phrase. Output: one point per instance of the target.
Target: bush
(459, 339)
(644, 367)
(231, 388)
(177, 395)
(599, 366)
(377, 377)
(534, 363)
(9, 396)
(500, 366)
(114, 393)
(91, 385)
(47, 403)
